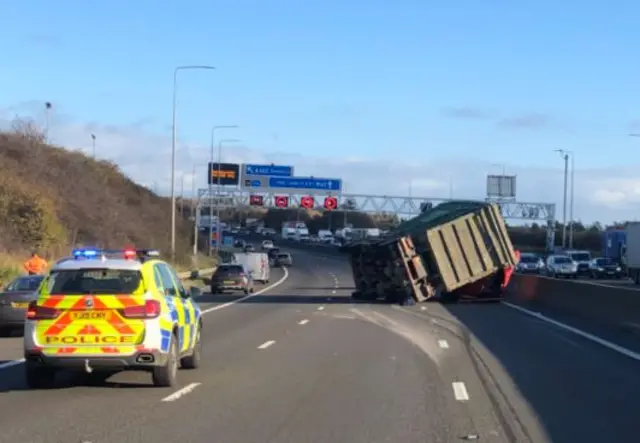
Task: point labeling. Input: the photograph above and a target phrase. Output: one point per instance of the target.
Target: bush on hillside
(27, 218)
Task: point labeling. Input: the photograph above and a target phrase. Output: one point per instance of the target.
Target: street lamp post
(173, 150)
(194, 194)
(571, 226)
(218, 189)
(565, 154)
(182, 196)
(47, 110)
(210, 180)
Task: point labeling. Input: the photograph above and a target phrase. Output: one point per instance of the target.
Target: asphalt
(302, 363)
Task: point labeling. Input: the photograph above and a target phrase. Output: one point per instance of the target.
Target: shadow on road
(13, 380)
(533, 358)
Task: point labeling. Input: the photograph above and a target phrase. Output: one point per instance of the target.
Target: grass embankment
(52, 200)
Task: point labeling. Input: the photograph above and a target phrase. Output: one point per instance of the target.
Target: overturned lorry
(454, 251)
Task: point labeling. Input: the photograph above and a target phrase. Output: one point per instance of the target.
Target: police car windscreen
(94, 281)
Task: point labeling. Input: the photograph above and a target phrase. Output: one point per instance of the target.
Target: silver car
(283, 259)
(14, 301)
(561, 266)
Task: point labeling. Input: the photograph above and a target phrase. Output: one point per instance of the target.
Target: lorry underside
(457, 251)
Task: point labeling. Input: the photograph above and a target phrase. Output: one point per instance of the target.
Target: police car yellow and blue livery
(111, 311)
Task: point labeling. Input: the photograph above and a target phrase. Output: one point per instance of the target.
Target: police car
(112, 311)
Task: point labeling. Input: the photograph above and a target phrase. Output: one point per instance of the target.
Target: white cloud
(605, 195)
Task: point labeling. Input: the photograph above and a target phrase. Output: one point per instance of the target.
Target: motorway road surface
(301, 363)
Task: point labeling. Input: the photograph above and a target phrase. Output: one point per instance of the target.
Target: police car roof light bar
(150, 252)
(79, 253)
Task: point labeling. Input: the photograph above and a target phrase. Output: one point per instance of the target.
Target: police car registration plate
(91, 315)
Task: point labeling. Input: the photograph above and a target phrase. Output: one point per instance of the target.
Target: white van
(257, 263)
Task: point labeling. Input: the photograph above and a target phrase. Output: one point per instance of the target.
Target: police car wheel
(166, 376)
(193, 361)
(39, 377)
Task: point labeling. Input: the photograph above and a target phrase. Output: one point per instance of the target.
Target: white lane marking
(594, 338)
(460, 391)
(333, 292)
(261, 291)
(384, 317)
(8, 364)
(204, 311)
(320, 308)
(303, 322)
(266, 344)
(443, 344)
(181, 392)
(423, 308)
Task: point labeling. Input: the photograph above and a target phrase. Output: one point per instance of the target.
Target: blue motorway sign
(310, 183)
(269, 170)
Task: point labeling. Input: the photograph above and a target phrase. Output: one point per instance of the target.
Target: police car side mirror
(194, 292)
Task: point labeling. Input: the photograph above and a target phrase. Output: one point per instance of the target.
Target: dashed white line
(460, 391)
(333, 292)
(320, 308)
(266, 344)
(181, 393)
(443, 344)
(303, 322)
(261, 291)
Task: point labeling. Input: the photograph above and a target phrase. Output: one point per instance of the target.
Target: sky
(393, 97)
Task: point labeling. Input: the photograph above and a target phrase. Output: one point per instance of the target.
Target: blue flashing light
(85, 253)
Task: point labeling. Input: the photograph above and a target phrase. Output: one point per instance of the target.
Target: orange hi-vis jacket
(35, 265)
